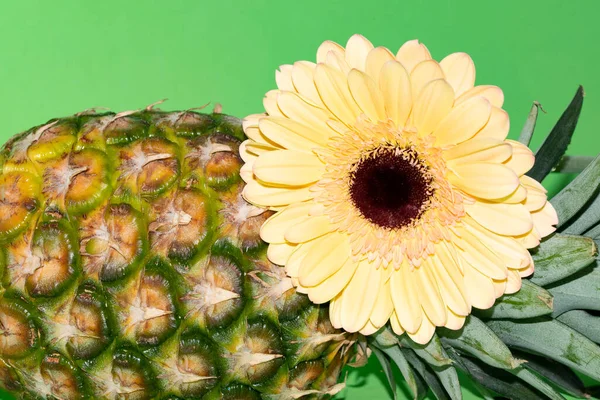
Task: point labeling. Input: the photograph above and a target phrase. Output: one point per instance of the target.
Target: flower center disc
(389, 188)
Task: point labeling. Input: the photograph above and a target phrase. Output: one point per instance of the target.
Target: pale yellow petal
(303, 79)
(376, 60)
(531, 239)
(514, 254)
(292, 135)
(479, 150)
(518, 196)
(463, 122)
(429, 292)
(283, 78)
(367, 95)
(522, 159)
(501, 218)
(338, 62)
(270, 103)
(513, 283)
(254, 133)
(480, 288)
(424, 333)
(480, 256)
(493, 93)
(335, 312)
(368, 329)
(252, 120)
(405, 298)
(279, 253)
(423, 73)
(244, 155)
(485, 180)
(357, 49)
(332, 286)
(257, 149)
(261, 195)
(395, 322)
(288, 167)
(383, 307)
(498, 125)
(455, 322)
(545, 219)
(326, 47)
(296, 108)
(359, 297)
(432, 105)
(292, 267)
(536, 194)
(308, 229)
(324, 259)
(273, 229)
(246, 171)
(395, 87)
(499, 287)
(460, 72)
(450, 281)
(411, 53)
(333, 89)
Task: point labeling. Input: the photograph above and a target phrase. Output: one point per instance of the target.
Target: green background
(61, 57)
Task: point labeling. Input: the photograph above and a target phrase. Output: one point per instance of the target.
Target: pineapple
(132, 268)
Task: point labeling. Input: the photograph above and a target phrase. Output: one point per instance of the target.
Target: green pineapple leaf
(495, 380)
(562, 256)
(583, 322)
(407, 371)
(476, 339)
(387, 369)
(573, 198)
(432, 353)
(553, 339)
(556, 373)
(580, 293)
(540, 384)
(573, 164)
(428, 376)
(556, 143)
(529, 127)
(531, 301)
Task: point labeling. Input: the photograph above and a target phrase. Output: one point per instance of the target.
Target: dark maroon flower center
(388, 189)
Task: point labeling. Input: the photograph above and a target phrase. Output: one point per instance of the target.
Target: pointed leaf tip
(556, 143)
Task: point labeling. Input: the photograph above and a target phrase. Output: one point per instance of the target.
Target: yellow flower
(397, 196)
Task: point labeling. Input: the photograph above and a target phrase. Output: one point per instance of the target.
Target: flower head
(397, 196)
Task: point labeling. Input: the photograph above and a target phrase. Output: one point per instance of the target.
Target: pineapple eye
(61, 377)
(112, 241)
(213, 159)
(52, 141)
(123, 129)
(215, 293)
(43, 262)
(88, 323)
(147, 306)
(18, 333)
(260, 353)
(179, 224)
(18, 203)
(148, 167)
(305, 373)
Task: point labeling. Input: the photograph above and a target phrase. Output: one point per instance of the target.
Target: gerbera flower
(397, 195)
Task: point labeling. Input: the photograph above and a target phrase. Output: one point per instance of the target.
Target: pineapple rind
(136, 268)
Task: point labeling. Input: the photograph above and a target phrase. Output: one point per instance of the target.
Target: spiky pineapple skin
(132, 268)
